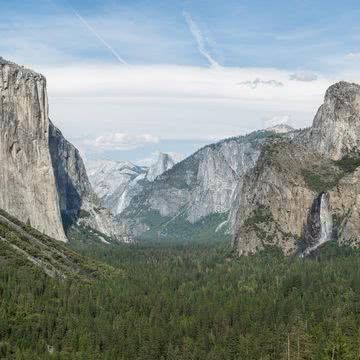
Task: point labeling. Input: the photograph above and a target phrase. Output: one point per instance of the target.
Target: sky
(129, 78)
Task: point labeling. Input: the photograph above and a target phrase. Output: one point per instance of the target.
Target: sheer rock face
(336, 127)
(75, 191)
(71, 179)
(27, 182)
(276, 198)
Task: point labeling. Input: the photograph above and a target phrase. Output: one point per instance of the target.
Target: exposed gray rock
(78, 201)
(43, 179)
(336, 127)
(27, 182)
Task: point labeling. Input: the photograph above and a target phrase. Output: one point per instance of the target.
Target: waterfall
(319, 226)
(325, 219)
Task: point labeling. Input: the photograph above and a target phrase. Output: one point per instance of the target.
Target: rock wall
(27, 182)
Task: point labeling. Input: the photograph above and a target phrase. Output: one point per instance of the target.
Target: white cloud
(118, 141)
(303, 76)
(199, 38)
(175, 102)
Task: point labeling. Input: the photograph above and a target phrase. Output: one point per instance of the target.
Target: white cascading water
(325, 220)
(325, 224)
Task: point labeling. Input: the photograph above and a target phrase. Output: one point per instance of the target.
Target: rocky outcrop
(27, 181)
(304, 190)
(336, 128)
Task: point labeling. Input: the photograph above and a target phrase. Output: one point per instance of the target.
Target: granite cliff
(43, 180)
(27, 182)
(304, 190)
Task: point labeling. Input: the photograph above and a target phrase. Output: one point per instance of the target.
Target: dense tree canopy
(186, 302)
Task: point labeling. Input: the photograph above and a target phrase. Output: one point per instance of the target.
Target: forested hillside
(186, 302)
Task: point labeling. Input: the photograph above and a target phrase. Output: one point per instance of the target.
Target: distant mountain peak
(117, 182)
(280, 128)
(164, 162)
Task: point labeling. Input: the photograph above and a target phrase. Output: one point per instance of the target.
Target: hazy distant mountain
(117, 182)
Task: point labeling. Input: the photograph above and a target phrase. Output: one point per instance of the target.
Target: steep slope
(27, 182)
(23, 246)
(304, 191)
(197, 193)
(78, 202)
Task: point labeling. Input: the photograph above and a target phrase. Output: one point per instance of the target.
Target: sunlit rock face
(336, 128)
(43, 179)
(27, 183)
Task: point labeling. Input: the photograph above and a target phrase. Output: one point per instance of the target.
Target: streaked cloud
(199, 38)
(99, 37)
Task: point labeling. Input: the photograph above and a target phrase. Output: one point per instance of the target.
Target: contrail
(94, 32)
(199, 38)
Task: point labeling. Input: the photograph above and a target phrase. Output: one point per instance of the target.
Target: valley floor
(184, 301)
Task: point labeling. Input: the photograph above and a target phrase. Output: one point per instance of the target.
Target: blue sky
(174, 75)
